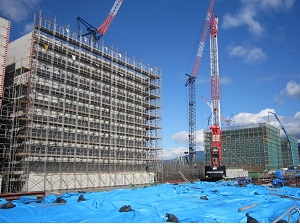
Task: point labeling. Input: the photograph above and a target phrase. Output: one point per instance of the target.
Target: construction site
(77, 115)
(255, 148)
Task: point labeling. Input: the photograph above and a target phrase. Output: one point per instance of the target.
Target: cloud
(244, 16)
(18, 10)
(182, 137)
(291, 90)
(249, 54)
(249, 11)
(173, 153)
(250, 118)
(275, 4)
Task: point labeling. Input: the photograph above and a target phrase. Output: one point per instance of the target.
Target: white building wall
(19, 51)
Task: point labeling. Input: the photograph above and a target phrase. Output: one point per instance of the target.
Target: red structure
(216, 170)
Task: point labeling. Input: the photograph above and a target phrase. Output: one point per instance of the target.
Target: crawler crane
(216, 170)
(191, 79)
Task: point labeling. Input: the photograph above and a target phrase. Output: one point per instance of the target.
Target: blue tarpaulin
(212, 202)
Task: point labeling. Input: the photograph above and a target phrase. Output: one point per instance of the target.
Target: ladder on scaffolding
(184, 178)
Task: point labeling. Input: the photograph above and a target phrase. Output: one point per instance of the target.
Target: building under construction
(77, 114)
(254, 147)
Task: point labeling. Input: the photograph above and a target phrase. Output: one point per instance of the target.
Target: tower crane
(191, 79)
(97, 33)
(216, 170)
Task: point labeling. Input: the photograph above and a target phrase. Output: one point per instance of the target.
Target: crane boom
(113, 12)
(191, 84)
(97, 33)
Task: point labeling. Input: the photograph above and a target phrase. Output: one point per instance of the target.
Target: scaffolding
(78, 114)
(287, 154)
(254, 147)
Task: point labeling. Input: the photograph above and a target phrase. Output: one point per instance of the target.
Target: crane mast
(216, 145)
(216, 171)
(191, 84)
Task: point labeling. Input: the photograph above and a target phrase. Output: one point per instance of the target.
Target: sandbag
(8, 205)
(60, 200)
(250, 219)
(125, 208)
(171, 218)
(81, 198)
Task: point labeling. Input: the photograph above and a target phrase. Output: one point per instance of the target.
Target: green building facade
(289, 155)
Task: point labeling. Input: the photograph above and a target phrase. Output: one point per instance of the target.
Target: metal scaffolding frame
(78, 114)
(286, 152)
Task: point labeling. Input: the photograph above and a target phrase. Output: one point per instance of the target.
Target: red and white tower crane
(97, 33)
(216, 170)
(191, 84)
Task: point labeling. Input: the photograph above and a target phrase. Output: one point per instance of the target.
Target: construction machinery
(191, 79)
(215, 170)
(97, 33)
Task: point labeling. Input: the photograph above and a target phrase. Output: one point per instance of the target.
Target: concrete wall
(68, 181)
(232, 173)
(19, 51)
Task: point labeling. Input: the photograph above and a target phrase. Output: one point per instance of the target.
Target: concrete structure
(255, 148)
(77, 114)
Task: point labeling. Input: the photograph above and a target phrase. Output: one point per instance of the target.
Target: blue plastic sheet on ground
(150, 204)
